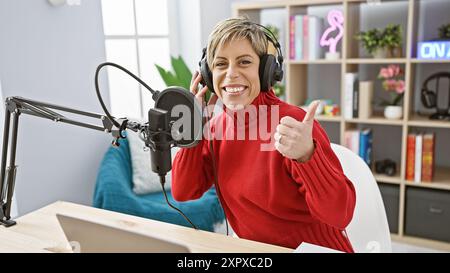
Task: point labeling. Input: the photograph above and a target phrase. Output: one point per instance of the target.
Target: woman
(294, 193)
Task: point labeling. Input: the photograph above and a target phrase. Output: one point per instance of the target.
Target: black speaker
(270, 67)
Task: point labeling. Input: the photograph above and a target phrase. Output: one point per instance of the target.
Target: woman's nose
(232, 72)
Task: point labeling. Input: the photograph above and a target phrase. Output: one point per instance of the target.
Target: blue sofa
(113, 191)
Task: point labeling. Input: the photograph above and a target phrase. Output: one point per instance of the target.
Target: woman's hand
(293, 139)
(199, 95)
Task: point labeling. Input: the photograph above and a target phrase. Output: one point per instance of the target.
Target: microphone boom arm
(14, 107)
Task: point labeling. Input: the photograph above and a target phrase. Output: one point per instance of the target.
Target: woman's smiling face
(236, 73)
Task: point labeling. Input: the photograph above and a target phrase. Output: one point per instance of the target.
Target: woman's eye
(220, 64)
(246, 62)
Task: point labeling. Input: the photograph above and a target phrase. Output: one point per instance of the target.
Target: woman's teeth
(234, 89)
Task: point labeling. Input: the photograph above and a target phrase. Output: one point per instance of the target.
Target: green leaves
(179, 76)
(390, 37)
(444, 32)
(371, 39)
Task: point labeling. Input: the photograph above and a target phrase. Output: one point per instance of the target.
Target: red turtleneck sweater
(267, 197)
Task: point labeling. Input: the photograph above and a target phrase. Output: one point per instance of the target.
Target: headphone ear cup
(267, 68)
(206, 75)
(428, 98)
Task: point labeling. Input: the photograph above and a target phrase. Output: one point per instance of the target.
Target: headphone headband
(270, 67)
(274, 41)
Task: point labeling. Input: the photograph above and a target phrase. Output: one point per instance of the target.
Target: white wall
(197, 20)
(50, 54)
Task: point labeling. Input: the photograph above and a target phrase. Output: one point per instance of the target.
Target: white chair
(368, 231)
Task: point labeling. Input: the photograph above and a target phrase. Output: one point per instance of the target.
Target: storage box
(428, 213)
(391, 196)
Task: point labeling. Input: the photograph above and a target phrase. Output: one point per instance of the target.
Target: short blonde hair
(235, 29)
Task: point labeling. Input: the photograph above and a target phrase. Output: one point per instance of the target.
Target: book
(350, 81)
(315, 26)
(355, 102)
(292, 37)
(418, 159)
(365, 99)
(298, 37)
(365, 145)
(410, 156)
(428, 157)
(351, 140)
(348, 138)
(305, 36)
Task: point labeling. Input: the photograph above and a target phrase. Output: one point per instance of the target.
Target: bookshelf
(353, 58)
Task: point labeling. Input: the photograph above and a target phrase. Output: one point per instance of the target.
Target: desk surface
(39, 231)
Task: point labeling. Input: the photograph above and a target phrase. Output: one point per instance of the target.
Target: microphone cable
(162, 179)
(105, 109)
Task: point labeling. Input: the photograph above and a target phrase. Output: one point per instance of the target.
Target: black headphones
(429, 98)
(270, 67)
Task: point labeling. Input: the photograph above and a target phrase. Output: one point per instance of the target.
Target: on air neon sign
(436, 50)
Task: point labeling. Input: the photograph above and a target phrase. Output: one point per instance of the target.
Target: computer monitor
(88, 237)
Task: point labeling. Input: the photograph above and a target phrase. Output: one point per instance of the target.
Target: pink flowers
(393, 82)
(390, 71)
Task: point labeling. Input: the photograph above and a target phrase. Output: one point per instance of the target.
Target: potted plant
(395, 85)
(372, 42)
(382, 43)
(179, 76)
(392, 40)
(444, 32)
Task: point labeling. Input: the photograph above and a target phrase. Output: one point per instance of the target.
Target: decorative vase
(393, 112)
(380, 53)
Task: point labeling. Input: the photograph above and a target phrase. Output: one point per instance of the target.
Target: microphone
(176, 119)
(159, 140)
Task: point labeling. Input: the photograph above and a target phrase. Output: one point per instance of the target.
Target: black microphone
(176, 119)
(159, 140)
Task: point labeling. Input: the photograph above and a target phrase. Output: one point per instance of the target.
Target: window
(136, 37)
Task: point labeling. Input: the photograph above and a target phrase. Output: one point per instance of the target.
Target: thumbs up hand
(293, 138)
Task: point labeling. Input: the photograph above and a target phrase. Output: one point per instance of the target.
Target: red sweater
(267, 197)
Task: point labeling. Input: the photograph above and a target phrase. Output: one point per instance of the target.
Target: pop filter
(185, 115)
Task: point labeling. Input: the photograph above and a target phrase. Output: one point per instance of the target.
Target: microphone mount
(156, 133)
(14, 107)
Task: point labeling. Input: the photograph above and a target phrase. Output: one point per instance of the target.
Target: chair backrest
(368, 231)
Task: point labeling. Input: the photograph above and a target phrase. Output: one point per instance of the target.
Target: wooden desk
(40, 231)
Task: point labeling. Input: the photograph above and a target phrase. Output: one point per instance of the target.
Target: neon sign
(435, 50)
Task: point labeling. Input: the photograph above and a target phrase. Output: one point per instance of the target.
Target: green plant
(392, 36)
(444, 32)
(179, 76)
(275, 30)
(371, 40)
(278, 89)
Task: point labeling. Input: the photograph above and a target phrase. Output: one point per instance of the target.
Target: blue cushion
(113, 191)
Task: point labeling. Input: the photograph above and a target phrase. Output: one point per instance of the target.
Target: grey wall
(50, 54)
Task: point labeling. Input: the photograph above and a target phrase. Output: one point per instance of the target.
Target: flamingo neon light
(336, 21)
